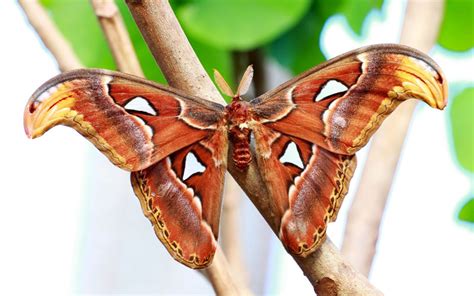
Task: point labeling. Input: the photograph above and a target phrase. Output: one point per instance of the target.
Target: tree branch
(117, 36)
(182, 69)
(50, 35)
(420, 30)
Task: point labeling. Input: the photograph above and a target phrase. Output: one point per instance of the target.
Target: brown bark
(182, 69)
(420, 30)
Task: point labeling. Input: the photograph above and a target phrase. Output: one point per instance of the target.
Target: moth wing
(341, 103)
(153, 141)
(307, 187)
(104, 106)
(328, 126)
(185, 209)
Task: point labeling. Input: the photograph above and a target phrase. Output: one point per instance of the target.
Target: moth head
(244, 84)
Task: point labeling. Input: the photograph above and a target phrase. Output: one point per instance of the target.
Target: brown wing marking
(315, 198)
(94, 102)
(305, 199)
(377, 79)
(184, 213)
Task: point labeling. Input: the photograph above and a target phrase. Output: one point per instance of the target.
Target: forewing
(133, 121)
(185, 210)
(306, 195)
(368, 84)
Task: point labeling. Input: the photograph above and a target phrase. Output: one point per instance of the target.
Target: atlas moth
(326, 126)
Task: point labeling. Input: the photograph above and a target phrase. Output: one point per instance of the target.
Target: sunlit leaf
(239, 24)
(457, 28)
(467, 211)
(462, 126)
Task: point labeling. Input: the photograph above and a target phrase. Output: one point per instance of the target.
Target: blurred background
(69, 220)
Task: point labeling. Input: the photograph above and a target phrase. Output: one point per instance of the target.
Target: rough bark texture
(420, 30)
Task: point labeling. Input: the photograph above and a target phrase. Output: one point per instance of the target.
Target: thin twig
(180, 65)
(50, 35)
(117, 36)
(420, 30)
(220, 276)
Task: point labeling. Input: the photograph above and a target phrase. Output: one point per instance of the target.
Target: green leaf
(356, 12)
(457, 28)
(467, 211)
(239, 24)
(461, 116)
(298, 49)
(77, 22)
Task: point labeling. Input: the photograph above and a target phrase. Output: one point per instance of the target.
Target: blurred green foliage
(239, 24)
(457, 34)
(289, 30)
(461, 116)
(298, 49)
(457, 30)
(467, 211)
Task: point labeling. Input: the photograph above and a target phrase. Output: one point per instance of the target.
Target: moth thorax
(241, 154)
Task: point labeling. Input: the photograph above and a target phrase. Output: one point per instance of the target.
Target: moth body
(237, 118)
